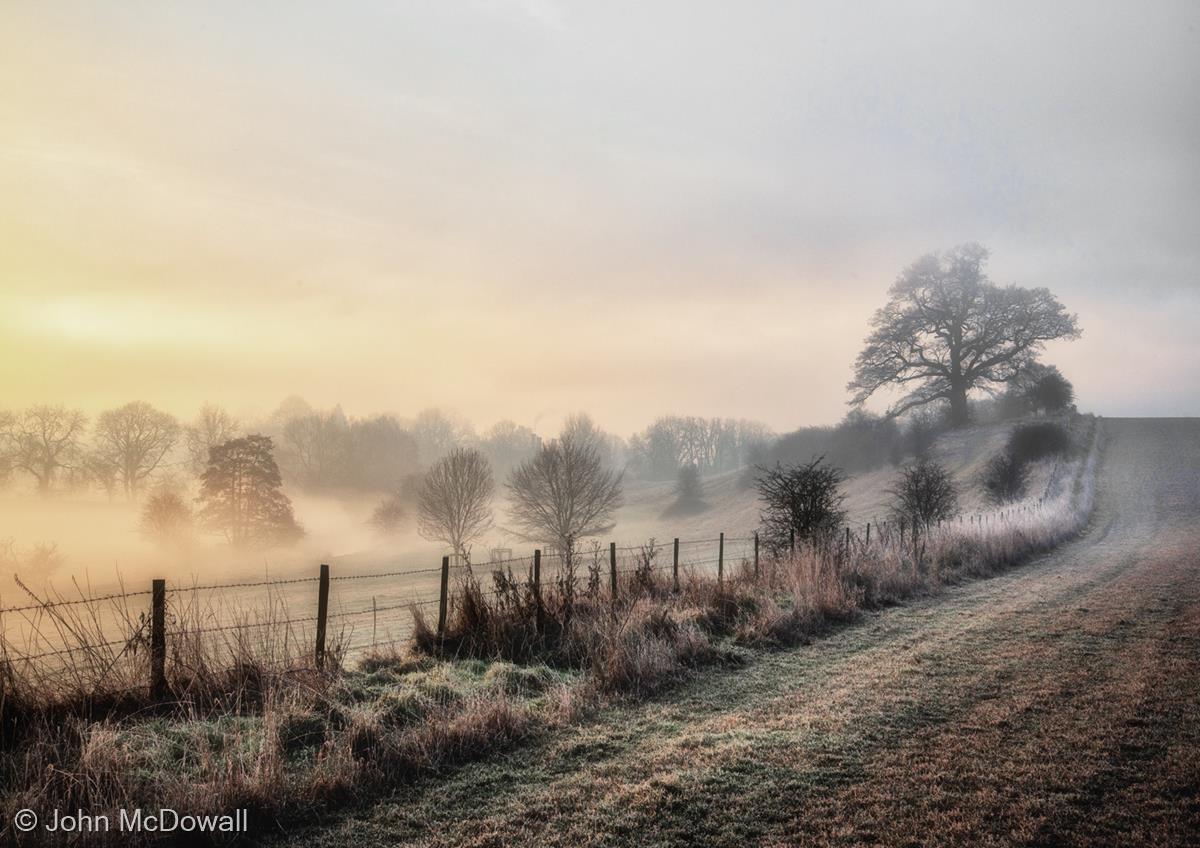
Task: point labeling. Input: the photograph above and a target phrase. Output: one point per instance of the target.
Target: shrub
(802, 499)
(1005, 478)
(924, 491)
(1031, 442)
(1051, 391)
(389, 515)
(167, 519)
(860, 442)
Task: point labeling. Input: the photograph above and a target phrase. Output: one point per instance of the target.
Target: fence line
(657, 557)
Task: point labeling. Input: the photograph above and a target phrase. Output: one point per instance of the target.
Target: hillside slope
(733, 507)
(1052, 705)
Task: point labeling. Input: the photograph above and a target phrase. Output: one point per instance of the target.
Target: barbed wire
(284, 581)
(74, 649)
(74, 602)
(373, 575)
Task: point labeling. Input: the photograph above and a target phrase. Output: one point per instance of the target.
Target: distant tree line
(710, 445)
(125, 449)
(56, 447)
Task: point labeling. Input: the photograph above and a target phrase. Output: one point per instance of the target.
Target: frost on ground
(1049, 705)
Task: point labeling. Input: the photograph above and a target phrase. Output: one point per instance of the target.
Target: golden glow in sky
(519, 210)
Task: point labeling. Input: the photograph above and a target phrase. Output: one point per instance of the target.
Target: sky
(523, 209)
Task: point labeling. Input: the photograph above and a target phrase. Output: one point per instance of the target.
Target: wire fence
(371, 607)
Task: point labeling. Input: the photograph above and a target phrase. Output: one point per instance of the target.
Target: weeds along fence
(128, 640)
(168, 635)
(160, 638)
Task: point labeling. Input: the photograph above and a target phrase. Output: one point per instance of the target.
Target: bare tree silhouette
(801, 501)
(134, 440)
(947, 330)
(42, 441)
(213, 426)
(924, 491)
(454, 502)
(564, 493)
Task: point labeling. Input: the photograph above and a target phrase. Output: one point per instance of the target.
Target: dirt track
(1053, 705)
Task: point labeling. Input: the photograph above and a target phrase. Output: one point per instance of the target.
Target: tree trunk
(959, 413)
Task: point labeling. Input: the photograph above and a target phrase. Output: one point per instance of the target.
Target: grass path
(1055, 704)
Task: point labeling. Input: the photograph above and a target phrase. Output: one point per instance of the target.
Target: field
(1049, 705)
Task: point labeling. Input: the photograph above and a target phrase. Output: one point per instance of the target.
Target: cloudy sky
(520, 209)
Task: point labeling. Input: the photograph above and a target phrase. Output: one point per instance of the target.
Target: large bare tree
(43, 440)
(564, 492)
(454, 504)
(135, 440)
(948, 330)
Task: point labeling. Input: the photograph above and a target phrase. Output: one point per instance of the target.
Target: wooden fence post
(721, 559)
(756, 554)
(537, 587)
(792, 540)
(868, 533)
(158, 638)
(444, 597)
(322, 613)
(847, 540)
(675, 566)
(612, 569)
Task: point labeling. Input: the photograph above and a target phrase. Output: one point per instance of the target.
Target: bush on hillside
(1005, 478)
(924, 492)
(802, 500)
(1031, 442)
(861, 442)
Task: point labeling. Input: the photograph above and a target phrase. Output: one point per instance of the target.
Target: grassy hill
(733, 506)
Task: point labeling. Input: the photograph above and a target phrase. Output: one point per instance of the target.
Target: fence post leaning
(322, 613)
(537, 588)
(444, 597)
(675, 566)
(158, 638)
(612, 569)
(721, 559)
(755, 554)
